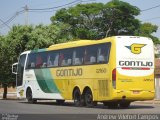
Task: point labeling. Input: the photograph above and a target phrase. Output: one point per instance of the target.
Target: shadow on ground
(99, 105)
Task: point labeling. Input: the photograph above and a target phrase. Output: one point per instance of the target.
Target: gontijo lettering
(135, 63)
(69, 72)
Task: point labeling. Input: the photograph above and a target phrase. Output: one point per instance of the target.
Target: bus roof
(71, 43)
(84, 42)
(78, 43)
(90, 42)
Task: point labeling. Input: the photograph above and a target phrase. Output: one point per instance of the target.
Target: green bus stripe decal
(50, 81)
(45, 79)
(41, 80)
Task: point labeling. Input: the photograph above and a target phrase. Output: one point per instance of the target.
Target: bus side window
(69, 61)
(92, 59)
(44, 65)
(52, 59)
(41, 60)
(55, 63)
(90, 54)
(66, 57)
(86, 56)
(61, 59)
(38, 61)
(31, 61)
(103, 53)
(63, 62)
(32, 65)
(49, 61)
(78, 56)
(100, 57)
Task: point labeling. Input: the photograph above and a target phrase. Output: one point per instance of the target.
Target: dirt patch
(11, 93)
(10, 89)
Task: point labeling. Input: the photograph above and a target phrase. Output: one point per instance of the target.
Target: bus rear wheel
(29, 96)
(77, 97)
(88, 98)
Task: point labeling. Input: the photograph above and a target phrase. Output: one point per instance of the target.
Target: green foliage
(98, 20)
(44, 36)
(121, 18)
(146, 30)
(5, 66)
(22, 38)
(82, 19)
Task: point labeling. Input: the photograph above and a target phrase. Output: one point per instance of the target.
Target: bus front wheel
(29, 96)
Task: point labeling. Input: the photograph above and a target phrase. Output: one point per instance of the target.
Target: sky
(12, 12)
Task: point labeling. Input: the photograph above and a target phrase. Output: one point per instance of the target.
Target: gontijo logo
(135, 48)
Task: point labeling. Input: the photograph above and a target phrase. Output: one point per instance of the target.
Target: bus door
(19, 76)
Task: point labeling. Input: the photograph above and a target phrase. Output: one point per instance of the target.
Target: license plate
(136, 92)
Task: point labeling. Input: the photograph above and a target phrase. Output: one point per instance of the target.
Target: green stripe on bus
(45, 81)
(41, 80)
(50, 81)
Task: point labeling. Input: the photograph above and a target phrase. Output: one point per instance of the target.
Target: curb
(9, 94)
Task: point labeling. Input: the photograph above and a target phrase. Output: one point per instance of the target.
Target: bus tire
(29, 96)
(60, 102)
(77, 97)
(88, 99)
(124, 104)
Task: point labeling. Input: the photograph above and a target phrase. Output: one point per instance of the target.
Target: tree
(98, 20)
(146, 30)
(5, 69)
(119, 18)
(44, 36)
(81, 19)
(22, 38)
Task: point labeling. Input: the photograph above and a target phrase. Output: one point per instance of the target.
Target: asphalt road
(50, 108)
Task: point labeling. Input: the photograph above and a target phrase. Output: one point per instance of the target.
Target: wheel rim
(29, 95)
(77, 98)
(88, 98)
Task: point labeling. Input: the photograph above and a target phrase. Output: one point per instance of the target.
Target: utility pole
(26, 14)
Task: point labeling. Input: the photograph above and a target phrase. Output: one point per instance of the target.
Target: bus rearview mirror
(14, 68)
